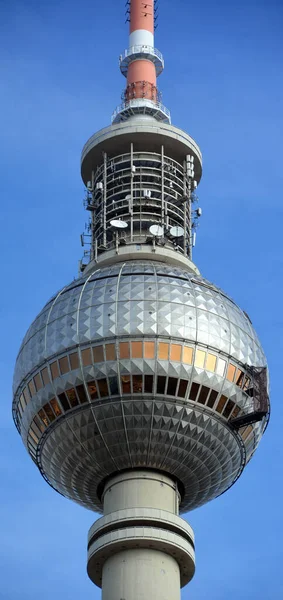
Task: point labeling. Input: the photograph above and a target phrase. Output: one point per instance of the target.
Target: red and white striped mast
(141, 64)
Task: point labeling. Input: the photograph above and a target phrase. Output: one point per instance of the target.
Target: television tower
(141, 389)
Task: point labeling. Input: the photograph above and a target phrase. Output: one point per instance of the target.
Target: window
(103, 387)
(137, 384)
(124, 350)
(175, 352)
(246, 432)
(31, 388)
(148, 384)
(55, 406)
(113, 384)
(43, 417)
(163, 351)
(34, 436)
(210, 362)
(183, 384)
(212, 397)
(231, 372)
(110, 352)
(194, 391)
(239, 377)
(81, 394)
(136, 349)
(87, 357)
(72, 397)
(37, 382)
(172, 386)
(54, 370)
(64, 402)
(49, 412)
(74, 360)
(92, 390)
(126, 384)
(45, 376)
(199, 358)
(39, 424)
(22, 401)
(160, 389)
(221, 404)
(228, 409)
(64, 365)
(187, 355)
(26, 395)
(204, 391)
(235, 412)
(98, 354)
(247, 382)
(220, 369)
(149, 349)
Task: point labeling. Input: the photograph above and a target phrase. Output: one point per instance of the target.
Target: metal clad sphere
(138, 364)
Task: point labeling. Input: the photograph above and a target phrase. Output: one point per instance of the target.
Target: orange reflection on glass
(49, 412)
(31, 388)
(74, 360)
(239, 377)
(175, 352)
(98, 354)
(87, 357)
(64, 365)
(54, 370)
(210, 362)
(56, 407)
(187, 355)
(231, 372)
(124, 349)
(136, 349)
(43, 417)
(199, 358)
(163, 351)
(92, 390)
(72, 397)
(110, 352)
(149, 349)
(37, 382)
(45, 376)
(221, 404)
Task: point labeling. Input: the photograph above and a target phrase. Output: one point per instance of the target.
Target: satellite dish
(176, 232)
(118, 224)
(156, 230)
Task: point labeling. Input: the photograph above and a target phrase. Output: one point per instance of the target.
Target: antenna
(118, 224)
(156, 230)
(177, 231)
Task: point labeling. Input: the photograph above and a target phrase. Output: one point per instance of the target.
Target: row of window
(129, 384)
(134, 349)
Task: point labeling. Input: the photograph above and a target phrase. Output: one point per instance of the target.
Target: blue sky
(59, 82)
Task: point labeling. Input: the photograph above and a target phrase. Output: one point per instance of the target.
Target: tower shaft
(141, 548)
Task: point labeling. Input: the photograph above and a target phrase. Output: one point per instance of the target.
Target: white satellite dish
(176, 232)
(156, 230)
(118, 224)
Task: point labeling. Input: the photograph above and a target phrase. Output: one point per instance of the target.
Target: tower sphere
(141, 388)
(135, 365)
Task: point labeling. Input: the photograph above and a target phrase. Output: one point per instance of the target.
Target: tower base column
(141, 549)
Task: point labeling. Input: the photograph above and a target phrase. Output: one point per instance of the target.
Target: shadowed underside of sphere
(140, 365)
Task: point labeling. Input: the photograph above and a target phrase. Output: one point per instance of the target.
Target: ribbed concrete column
(141, 549)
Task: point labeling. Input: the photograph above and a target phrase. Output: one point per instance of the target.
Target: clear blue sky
(59, 82)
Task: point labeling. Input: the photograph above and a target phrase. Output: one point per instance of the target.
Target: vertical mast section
(141, 64)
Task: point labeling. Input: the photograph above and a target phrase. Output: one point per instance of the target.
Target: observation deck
(141, 52)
